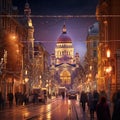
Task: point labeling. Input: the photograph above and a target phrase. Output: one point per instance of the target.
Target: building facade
(12, 33)
(16, 47)
(91, 58)
(107, 13)
(41, 57)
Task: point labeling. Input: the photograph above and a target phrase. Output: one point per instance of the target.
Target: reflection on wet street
(57, 109)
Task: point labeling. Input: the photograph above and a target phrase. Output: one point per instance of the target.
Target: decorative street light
(108, 53)
(25, 82)
(108, 70)
(40, 81)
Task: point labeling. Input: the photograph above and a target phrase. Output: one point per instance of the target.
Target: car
(72, 94)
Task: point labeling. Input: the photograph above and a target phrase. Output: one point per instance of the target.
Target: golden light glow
(108, 53)
(26, 72)
(17, 51)
(14, 37)
(90, 67)
(48, 115)
(30, 23)
(26, 114)
(26, 80)
(90, 75)
(105, 22)
(108, 69)
(40, 76)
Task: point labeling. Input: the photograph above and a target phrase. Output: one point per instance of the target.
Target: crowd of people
(20, 99)
(97, 102)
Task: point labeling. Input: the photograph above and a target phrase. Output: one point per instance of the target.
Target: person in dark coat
(10, 99)
(91, 105)
(102, 110)
(16, 97)
(1, 101)
(95, 99)
(116, 107)
(83, 99)
(63, 95)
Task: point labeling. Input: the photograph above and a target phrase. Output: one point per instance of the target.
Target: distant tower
(30, 38)
(27, 10)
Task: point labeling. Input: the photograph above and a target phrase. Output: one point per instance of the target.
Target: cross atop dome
(64, 38)
(64, 30)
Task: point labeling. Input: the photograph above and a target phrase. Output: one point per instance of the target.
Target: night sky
(48, 29)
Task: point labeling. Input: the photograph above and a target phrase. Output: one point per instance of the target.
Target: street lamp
(40, 81)
(108, 70)
(26, 79)
(108, 53)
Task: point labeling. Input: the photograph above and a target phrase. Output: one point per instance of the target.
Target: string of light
(52, 41)
(46, 41)
(60, 16)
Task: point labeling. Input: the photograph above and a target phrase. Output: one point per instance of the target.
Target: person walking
(96, 97)
(16, 97)
(10, 99)
(1, 102)
(63, 95)
(116, 107)
(91, 105)
(83, 100)
(103, 110)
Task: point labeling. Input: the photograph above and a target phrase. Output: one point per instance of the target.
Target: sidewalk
(14, 106)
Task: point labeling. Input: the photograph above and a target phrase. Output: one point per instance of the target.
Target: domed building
(64, 51)
(63, 61)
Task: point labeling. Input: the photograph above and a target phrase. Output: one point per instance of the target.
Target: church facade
(63, 61)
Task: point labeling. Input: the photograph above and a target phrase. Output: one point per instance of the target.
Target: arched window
(65, 77)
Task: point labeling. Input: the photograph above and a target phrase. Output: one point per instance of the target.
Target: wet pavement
(54, 109)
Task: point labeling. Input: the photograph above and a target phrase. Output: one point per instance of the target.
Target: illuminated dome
(64, 38)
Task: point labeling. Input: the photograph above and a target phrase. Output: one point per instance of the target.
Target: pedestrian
(24, 98)
(20, 99)
(35, 98)
(95, 99)
(91, 105)
(103, 93)
(103, 110)
(16, 97)
(63, 95)
(45, 97)
(10, 99)
(1, 102)
(83, 99)
(116, 107)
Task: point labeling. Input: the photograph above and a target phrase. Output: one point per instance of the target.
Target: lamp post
(26, 79)
(108, 72)
(40, 81)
